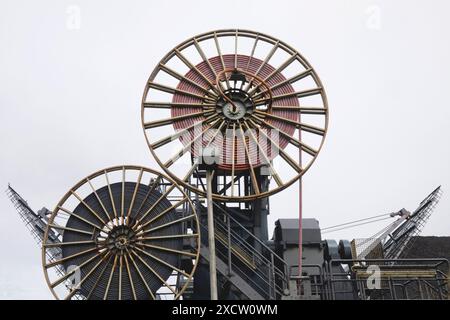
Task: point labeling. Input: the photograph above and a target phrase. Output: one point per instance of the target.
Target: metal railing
(248, 257)
(398, 279)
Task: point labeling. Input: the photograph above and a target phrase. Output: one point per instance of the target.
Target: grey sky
(70, 103)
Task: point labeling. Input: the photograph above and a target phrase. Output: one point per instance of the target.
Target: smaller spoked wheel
(122, 233)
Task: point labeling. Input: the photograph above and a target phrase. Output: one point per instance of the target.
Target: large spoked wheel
(126, 232)
(248, 95)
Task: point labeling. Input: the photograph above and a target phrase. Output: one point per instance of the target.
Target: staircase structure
(247, 267)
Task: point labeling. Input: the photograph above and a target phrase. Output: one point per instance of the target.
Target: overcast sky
(70, 103)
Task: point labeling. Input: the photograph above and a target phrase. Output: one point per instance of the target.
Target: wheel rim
(117, 234)
(207, 97)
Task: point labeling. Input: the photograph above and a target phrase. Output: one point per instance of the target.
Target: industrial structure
(232, 117)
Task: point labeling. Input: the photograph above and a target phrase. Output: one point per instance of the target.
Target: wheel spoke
(122, 196)
(253, 52)
(178, 155)
(80, 218)
(61, 244)
(163, 262)
(291, 80)
(60, 261)
(283, 154)
(266, 158)
(155, 204)
(154, 272)
(100, 275)
(312, 129)
(72, 293)
(141, 276)
(222, 123)
(130, 277)
(110, 278)
(192, 67)
(191, 170)
(283, 66)
(170, 105)
(138, 183)
(88, 207)
(68, 274)
(302, 110)
(169, 237)
(216, 41)
(153, 185)
(266, 60)
(111, 195)
(173, 137)
(180, 77)
(297, 143)
(120, 276)
(302, 126)
(206, 60)
(298, 94)
(235, 49)
(192, 216)
(233, 151)
(98, 199)
(159, 215)
(58, 227)
(167, 89)
(184, 253)
(168, 121)
(252, 170)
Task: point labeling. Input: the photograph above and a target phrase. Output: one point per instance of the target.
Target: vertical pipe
(362, 289)
(269, 277)
(300, 212)
(420, 288)
(392, 289)
(211, 238)
(273, 283)
(441, 297)
(333, 292)
(229, 245)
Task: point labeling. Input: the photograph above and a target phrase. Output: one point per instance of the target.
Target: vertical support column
(230, 271)
(260, 206)
(300, 212)
(448, 284)
(211, 238)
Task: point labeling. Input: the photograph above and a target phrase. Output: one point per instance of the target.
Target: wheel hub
(235, 106)
(120, 238)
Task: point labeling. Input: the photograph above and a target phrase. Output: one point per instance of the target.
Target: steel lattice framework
(401, 240)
